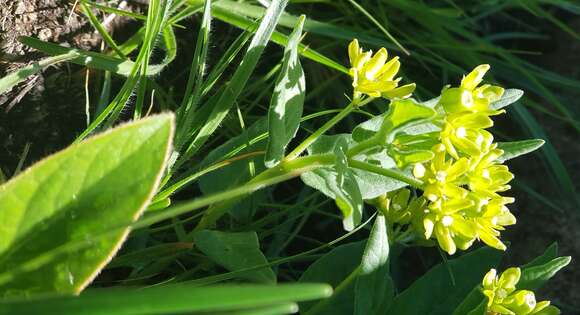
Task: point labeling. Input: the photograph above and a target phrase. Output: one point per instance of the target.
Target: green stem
(363, 146)
(393, 173)
(284, 171)
(329, 124)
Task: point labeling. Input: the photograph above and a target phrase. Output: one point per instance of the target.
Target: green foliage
(226, 196)
(235, 251)
(98, 186)
(174, 299)
(333, 268)
(374, 288)
(287, 100)
(443, 287)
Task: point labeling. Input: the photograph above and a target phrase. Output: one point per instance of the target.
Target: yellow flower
(445, 220)
(491, 219)
(469, 97)
(503, 298)
(442, 177)
(486, 176)
(463, 133)
(374, 75)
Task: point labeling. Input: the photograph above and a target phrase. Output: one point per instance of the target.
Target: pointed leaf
(514, 149)
(509, 97)
(535, 276)
(99, 185)
(235, 251)
(287, 101)
(374, 288)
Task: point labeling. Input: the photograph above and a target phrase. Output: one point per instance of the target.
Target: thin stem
(284, 171)
(189, 179)
(329, 124)
(363, 146)
(396, 174)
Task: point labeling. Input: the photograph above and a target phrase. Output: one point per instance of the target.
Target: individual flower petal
(474, 78)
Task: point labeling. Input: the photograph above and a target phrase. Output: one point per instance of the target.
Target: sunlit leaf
(90, 188)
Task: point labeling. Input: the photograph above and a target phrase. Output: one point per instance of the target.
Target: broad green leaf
(235, 251)
(373, 287)
(535, 276)
(287, 101)
(333, 268)
(480, 309)
(436, 293)
(88, 189)
(370, 185)
(170, 299)
(509, 97)
(514, 149)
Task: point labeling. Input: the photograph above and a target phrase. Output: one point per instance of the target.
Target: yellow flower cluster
(463, 181)
(374, 75)
(503, 297)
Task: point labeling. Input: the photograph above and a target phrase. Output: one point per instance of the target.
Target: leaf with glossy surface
(235, 251)
(534, 277)
(87, 189)
(374, 287)
(287, 101)
(174, 299)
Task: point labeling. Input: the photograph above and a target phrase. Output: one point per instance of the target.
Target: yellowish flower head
(374, 75)
(503, 297)
(469, 96)
(464, 204)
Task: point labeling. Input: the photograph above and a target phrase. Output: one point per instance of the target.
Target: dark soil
(46, 111)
